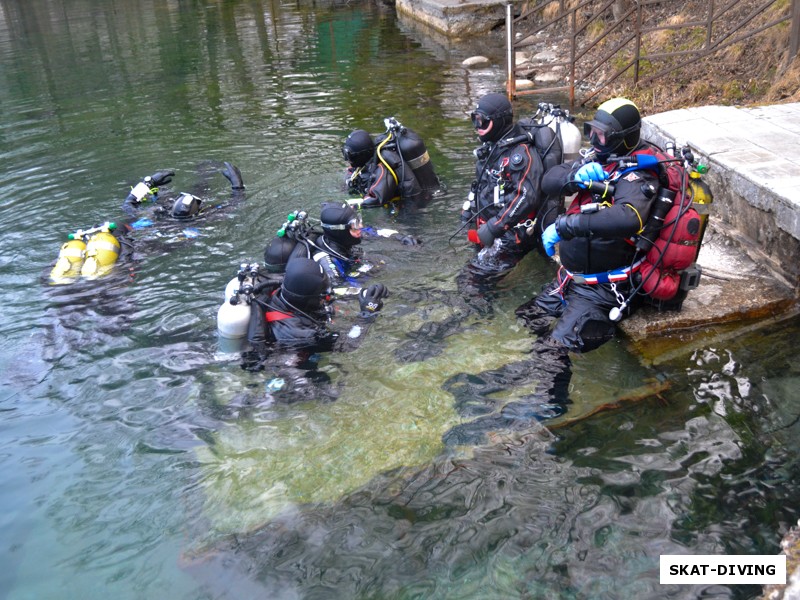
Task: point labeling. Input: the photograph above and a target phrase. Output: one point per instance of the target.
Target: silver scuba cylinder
(571, 138)
(233, 315)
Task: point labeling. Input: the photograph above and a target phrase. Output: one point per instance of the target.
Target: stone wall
(457, 19)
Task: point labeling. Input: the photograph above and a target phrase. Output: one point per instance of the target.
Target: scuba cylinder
(568, 132)
(89, 252)
(233, 317)
(562, 123)
(663, 204)
(69, 262)
(702, 197)
(413, 152)
(234, 313)
(102, 251)
(570, 140)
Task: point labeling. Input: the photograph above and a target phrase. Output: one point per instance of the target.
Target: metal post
(794, 38)
(572, 53)
(637, 49)
(511, 82)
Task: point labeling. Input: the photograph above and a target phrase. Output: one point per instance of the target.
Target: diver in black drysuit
(161, 205)
(146, 206)
(507, 211)
(381, 172)
(336, 248)
(295, 317)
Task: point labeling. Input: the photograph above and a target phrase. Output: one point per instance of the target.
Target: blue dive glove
(550, 238)
(141, 223)
(590, 172)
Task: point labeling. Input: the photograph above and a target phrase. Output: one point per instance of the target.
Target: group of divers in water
(626, 216)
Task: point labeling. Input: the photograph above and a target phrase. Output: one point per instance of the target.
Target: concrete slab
(457, 19)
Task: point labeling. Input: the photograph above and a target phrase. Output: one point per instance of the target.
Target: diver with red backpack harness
(630, 224)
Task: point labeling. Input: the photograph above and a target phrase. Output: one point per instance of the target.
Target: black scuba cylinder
(655, 222)
(548, 145)
(416, 156)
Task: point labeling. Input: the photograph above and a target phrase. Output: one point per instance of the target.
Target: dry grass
(753, 71)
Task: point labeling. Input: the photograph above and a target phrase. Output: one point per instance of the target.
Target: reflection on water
(140, 460)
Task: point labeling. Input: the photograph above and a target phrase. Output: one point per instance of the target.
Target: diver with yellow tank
(92, 252)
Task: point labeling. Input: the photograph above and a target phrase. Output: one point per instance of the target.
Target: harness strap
(607, 277)
(276, 315)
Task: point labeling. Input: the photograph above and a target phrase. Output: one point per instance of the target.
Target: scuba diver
(393, 168)
(594, 287)
(597, 237)
(506, 205)
(333, 246)
(335, 243)
(292, 311)
(280, 322)
(93, 252)
(506, 210)
(181, 207)
(299, 313)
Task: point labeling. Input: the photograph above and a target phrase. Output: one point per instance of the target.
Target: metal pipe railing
(567, 18)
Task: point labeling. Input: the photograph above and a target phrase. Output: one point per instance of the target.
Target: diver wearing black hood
(336, 248)
(393, 167)
(298, 314)
(506, 202)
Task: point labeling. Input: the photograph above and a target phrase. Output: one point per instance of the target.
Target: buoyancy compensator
(673, 233)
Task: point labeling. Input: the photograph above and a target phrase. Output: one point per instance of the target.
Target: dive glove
(160, 178)
(590, 172)
(371, 299)
(550, 238)
(488, 232)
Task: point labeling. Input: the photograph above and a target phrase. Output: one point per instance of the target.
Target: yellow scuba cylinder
(102, 251)
(702, 197)
(70, 261)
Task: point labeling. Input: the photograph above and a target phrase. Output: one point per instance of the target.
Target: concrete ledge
(455, 18)
(734, 291)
